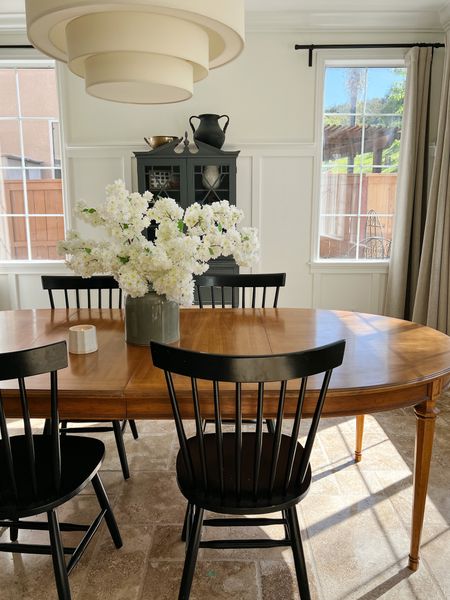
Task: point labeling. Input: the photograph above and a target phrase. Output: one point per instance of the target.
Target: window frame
(358, 57)
(29, 59)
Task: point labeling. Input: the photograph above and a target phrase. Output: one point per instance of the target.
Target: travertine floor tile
(27, 577)
(435, 554)
(220, 580)
(360, 547)
(166, 543)
(147, 453)
(31, 577)
(150, 497)
(278, 580)
(111, 573)
(355, 526)
(395, 582)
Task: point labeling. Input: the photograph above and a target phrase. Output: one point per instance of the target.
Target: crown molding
(306, 21)
(299, 21)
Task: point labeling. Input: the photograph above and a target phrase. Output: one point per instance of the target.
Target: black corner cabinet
(188, 174)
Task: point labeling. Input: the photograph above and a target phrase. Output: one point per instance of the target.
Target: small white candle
(82, 339)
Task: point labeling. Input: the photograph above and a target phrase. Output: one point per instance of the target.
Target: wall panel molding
(275, 190)
(126, 149)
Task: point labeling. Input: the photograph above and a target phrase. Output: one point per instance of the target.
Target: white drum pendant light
(140, 51)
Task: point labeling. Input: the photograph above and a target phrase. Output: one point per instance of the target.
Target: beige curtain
(411, 188)
(431, 306)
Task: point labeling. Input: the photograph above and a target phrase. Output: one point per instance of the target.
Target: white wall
(269, 92)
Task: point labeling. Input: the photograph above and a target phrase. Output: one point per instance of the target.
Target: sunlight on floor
(355, 523)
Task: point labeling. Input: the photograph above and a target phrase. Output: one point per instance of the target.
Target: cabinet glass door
(211, 183)
(163, 181)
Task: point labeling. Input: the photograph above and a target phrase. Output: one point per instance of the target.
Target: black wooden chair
(228, 290)
(244, 473)
(39, 472)
(67, 283)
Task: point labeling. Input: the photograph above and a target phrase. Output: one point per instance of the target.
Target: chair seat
(81, 458)
(246, 502)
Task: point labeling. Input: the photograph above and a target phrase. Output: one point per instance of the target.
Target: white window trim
(31, 58)
(33, 267)
(373, 57)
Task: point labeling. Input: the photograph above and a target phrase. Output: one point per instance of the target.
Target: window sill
(342, 266)
(35, 267)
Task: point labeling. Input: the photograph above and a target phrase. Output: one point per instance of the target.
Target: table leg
(359, 437)
(426, 413)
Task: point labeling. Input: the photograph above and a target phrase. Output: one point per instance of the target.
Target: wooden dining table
(388, 364)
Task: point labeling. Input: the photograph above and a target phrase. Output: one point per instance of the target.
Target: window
(362, 125)
(31, 200)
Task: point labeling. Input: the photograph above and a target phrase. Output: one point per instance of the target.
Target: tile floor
(355, 524)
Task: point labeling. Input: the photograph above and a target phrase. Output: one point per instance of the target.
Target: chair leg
(110, 519)
(359, 437)
(121, 448)
(59, 564)
(63, 426)
(191, 555)
(270, 425)
(286, 525)
(299, 557)
(13, 533)
(134, 430)
(47, 427)
(187, 522)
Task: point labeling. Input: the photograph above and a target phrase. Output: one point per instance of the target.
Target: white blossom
(165, 209)
(185, 242)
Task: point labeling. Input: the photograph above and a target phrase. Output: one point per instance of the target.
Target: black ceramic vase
(209, 130)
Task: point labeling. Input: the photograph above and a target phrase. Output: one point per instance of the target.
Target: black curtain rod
(312, 47)
(12, 46)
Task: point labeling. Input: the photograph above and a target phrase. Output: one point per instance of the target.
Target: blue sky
(379, 82)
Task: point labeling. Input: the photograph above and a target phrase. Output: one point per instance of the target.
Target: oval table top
(388, 362)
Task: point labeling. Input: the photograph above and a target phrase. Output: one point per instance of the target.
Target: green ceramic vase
(151, 317)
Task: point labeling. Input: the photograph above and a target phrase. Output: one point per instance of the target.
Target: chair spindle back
(20, 365)
(230, 290)
(271, 472)
(73, 282)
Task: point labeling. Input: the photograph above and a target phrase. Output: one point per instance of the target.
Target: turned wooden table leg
(426, 413)
(359, 437)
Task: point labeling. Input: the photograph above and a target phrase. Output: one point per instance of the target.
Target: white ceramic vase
(211, 177)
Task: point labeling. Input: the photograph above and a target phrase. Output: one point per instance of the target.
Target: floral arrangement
(185, 241)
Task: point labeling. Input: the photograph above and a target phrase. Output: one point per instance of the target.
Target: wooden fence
(44, 198)
(340, 196)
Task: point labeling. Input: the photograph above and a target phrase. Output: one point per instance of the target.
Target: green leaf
(211, 251)
(88, 250)
(125, 226)
(89, 210)
(124, 259)
(180, 225)
(219, 227)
